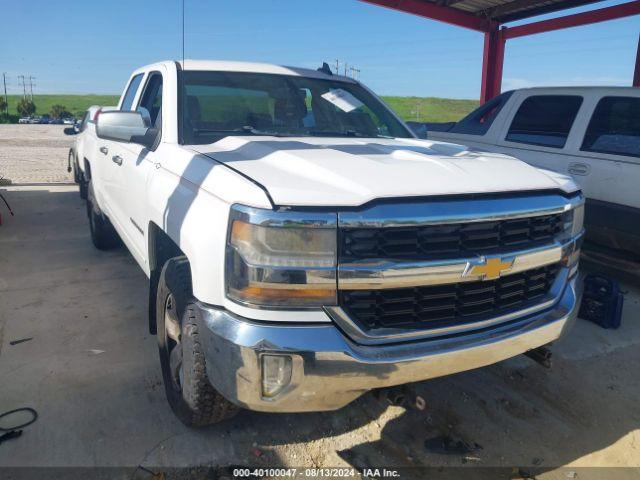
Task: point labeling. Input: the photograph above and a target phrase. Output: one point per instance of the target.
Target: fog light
(276, 374)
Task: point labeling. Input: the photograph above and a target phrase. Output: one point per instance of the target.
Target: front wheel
(184, 369)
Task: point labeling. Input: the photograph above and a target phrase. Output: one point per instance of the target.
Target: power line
(31, 85)
(24, 86)
(349, 70)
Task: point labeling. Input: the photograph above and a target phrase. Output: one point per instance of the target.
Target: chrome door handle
(104, 150)
(117, 159)
(579, 169)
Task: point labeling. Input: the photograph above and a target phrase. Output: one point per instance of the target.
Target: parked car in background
(590, 133)
(84, 146)
(24, 120)
(35, 120)
(303, 247)
(69, 121)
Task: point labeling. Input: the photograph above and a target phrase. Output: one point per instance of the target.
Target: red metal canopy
(488, 16)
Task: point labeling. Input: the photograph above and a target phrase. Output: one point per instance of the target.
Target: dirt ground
(34, 153)
(90, 368)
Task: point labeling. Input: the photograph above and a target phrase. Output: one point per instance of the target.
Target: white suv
(84, 145)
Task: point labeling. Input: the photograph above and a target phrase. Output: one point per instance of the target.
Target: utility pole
(31, 86)
(6, 99)
(24, 86)
(337, 67)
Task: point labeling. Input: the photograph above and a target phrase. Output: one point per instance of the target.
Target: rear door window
(614, 127)
(480, 120)
(544, 120)
(130, 94)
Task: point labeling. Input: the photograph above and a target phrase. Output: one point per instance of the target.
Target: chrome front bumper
(329, 370)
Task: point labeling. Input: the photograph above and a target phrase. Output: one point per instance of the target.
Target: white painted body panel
(187, 191)
(86, 141)
(610, 178)
(350, 172)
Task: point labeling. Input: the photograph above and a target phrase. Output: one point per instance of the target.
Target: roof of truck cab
(254, 67)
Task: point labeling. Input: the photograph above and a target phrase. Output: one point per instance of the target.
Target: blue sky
(80, 46)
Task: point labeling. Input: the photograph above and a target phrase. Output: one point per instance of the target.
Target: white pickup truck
(84, 145)
(303, 247)
(590, 133)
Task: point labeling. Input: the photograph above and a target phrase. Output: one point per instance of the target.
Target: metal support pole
(492, 64)
(636, 73)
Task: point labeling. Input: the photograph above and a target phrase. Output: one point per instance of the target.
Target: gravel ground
(34, 153)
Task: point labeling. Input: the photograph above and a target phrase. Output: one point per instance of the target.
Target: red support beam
(437, 12)
(636, 72)
(586, 18)
(492, 63)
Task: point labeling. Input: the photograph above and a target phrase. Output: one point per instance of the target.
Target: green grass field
(76, 104)
(426, 109)
(430, 109)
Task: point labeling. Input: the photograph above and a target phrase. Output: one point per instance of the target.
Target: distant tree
(26, 107)
(59, 111)
(3, 105)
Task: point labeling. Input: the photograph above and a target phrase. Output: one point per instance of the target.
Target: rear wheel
(73, 164)
(184, 370)
(83, 186)
(103, 235)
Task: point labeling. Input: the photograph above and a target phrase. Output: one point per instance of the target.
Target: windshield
(218, 104)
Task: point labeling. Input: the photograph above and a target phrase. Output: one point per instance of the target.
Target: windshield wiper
(345, 133)
(247, 129)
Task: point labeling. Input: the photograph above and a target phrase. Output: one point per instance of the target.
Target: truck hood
(304, 171)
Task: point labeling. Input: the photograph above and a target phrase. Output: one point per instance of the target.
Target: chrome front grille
(447, 266)
(448, 240)
(439, 306)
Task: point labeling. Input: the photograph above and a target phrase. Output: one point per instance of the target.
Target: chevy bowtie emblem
(489, 269)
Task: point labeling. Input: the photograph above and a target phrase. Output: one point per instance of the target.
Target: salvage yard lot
(91, 369)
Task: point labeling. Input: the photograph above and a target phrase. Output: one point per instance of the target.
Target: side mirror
(130, 127)
(70, 131)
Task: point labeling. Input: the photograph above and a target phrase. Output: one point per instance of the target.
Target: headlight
(572, 236)
(281, 259)
(578, 220)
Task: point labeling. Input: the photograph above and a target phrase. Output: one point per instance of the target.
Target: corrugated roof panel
(510, 10)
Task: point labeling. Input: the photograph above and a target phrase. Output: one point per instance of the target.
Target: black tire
(83, 186)
(103, 235)
(74, 165)
(184, 370)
